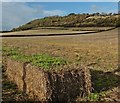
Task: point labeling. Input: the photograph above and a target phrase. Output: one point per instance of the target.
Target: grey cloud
(53, 12)
(15, 14)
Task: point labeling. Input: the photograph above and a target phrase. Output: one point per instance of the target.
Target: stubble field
(98, 51)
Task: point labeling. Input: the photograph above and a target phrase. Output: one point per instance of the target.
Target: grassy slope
(74, 20)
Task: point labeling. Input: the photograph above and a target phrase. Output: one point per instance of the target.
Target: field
(98, 52)
(58, 31)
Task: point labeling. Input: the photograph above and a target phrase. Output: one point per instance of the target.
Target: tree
(110, 14)
(71, 14)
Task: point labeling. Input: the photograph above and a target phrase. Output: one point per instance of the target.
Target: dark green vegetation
(104, 83)
(104, 80)
(4, 31)
(74, 20)
(41, 60)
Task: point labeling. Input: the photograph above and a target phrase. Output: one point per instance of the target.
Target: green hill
(74, 20)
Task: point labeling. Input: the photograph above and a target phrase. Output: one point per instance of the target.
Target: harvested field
(48, 31)
(44, 32)
(98, 52)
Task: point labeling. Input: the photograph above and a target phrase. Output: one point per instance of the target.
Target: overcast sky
(15, 14)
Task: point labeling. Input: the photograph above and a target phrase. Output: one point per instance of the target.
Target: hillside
(74, 20)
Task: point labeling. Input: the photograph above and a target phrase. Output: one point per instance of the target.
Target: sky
(60, 0)
(15, 14)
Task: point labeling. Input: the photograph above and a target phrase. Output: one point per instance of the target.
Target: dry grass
(99, 52)
(41, 85)
(10, 91)
(43, 32)
(55, 30)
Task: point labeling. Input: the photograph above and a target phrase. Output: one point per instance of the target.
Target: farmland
(98, 52)
(49, 31)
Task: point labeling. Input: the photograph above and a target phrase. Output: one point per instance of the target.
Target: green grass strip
(41, 60)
